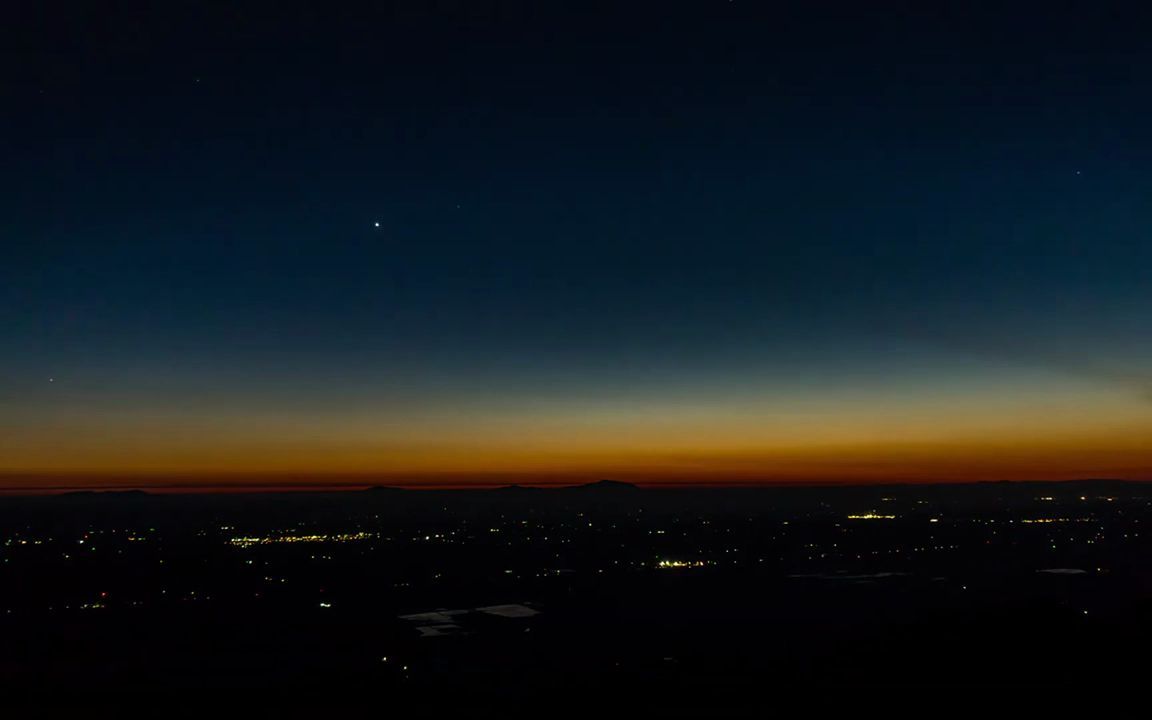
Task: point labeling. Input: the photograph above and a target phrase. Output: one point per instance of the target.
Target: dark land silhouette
(719, 596)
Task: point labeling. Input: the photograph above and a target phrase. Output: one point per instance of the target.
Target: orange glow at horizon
(1114, 454)
(1040, 434)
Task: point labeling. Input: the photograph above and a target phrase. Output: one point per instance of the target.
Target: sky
(700, 242)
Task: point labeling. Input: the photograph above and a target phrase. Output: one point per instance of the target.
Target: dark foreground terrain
(681, 598)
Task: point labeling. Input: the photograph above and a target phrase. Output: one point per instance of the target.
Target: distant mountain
(605, 486)
(521, 489)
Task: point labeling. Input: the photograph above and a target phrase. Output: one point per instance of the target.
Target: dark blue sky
(723, 201)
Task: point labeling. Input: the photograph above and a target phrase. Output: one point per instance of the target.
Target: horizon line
(200, 488)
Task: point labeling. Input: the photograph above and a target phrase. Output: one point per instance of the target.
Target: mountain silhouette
(605, 486)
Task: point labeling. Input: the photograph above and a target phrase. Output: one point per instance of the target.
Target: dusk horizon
(33, 484)
(506, 354)
(248, 247)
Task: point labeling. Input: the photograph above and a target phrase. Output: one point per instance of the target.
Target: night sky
(697, 241)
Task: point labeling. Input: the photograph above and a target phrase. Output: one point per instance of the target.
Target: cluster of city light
(1056, 520)
(871, 516)
(675, 564)
(249, 541)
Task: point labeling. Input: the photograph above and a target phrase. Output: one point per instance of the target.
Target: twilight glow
(374, 265)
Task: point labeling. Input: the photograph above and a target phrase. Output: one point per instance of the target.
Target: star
(376, 224)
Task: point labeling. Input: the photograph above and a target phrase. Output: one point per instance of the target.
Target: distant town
(409, 587)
